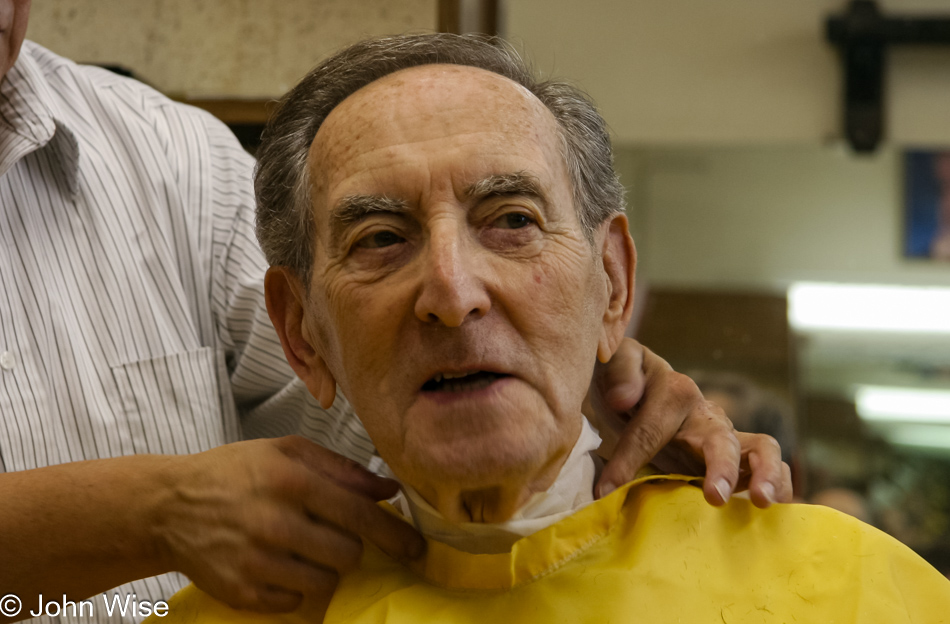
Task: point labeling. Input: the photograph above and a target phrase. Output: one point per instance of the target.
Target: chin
(508, 457)
(481, 463)
(505, 435)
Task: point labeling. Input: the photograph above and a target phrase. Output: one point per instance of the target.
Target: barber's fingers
(354, 513)
(669, 400)
(296, 578)
(264, 581)
(281, 582)
(769, 478)
(339, 469)
(706, 444)
(286, 578)
(640, 440)
(315, 541)
(342, 494)
(267, 599)
(709, 432)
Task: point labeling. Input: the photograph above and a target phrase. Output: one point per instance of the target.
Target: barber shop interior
(785, 183)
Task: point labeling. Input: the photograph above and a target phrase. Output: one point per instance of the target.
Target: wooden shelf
(235, 111)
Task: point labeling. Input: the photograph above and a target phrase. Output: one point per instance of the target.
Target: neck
(493, 503)
(477, 532)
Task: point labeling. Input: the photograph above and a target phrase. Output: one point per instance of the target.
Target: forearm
(82, 528)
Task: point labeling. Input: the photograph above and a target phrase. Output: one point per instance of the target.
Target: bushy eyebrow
(354, 208)
(518, 183)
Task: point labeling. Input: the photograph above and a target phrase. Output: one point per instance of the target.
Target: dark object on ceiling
(863, 33)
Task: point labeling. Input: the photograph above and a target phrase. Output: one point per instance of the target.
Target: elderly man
(134, 344)
(449, 247)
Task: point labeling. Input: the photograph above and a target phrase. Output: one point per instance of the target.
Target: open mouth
(461, 382)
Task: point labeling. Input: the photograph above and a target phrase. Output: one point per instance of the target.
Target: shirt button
(7, 360)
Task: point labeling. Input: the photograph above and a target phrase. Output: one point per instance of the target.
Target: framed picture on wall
(927, 204)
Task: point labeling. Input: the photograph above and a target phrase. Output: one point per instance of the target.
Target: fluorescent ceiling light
(857, 307)
(890, 404)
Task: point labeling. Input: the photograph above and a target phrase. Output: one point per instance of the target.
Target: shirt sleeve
(270, 398)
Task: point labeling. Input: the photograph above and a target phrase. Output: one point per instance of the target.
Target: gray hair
(285, 226)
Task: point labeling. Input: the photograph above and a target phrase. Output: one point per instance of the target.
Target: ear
(286, 304)
(620, 262)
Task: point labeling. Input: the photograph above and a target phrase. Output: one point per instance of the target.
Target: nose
(453, 289)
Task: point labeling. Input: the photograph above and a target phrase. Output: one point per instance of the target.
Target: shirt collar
(30, 116)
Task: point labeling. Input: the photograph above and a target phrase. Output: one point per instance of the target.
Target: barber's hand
(661, 417)
(261, 524)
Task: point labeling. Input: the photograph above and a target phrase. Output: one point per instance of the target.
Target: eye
(513, 221)
(377, 240)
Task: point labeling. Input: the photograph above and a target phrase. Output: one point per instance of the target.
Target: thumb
(621, 381)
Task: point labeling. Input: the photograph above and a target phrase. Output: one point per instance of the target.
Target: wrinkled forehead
(428, 102)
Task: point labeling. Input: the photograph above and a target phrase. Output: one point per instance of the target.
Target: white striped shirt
(131, 299)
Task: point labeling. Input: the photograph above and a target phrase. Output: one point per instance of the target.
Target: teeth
(440, 376)
(461, 382)
(458, 375)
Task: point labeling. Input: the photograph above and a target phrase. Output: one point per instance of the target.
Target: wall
(218, 48)
(721, 111)
(729, 71)
(761, 217)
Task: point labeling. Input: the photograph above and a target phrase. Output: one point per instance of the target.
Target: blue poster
(927, 204)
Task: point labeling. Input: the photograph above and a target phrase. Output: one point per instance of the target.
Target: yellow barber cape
(653, 551)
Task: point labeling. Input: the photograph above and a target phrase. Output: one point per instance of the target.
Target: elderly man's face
(454, 297)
